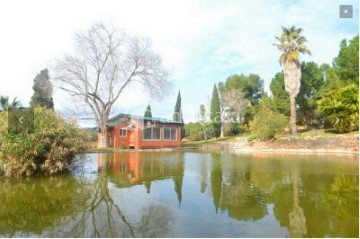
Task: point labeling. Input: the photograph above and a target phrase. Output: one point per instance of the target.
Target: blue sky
(200, 42)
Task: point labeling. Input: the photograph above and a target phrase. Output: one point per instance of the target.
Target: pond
(188, 194)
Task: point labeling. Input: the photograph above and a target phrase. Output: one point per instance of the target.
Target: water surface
(188, 194)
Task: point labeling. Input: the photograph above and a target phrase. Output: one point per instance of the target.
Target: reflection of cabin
(135, 168)
(136, 132)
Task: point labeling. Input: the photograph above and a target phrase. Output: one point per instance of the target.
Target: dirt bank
(315, 144)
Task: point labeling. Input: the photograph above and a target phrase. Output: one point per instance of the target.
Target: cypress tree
(43, 90)
(215, 113)
(178, 116)
(177, 111)
(148, 112)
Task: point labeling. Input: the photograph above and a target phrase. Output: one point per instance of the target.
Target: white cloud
(201, 42)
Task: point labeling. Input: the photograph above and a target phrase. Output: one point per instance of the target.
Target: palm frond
(291, 43)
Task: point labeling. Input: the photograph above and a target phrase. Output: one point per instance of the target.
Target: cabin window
(122, 132)
(156, 133)
(170, 134)
(151, 133)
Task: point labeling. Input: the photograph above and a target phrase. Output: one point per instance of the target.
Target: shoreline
(233, 150)
(297, 151)
(240, 145)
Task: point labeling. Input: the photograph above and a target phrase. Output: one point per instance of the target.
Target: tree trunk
(292, 116)
(222, 131)
(104, 137)
(205, 135)
(297, 218)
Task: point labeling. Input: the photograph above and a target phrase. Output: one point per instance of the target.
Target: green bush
(267, 124)
(49, 149)
(341, 108)
(195, 131)
(232, 129)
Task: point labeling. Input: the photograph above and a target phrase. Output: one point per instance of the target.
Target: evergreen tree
(148, 112)
(280, 95)
(43, 90)
(215, 115)
(311, 81)
(178, 116)
(346, 63)
(177, 111)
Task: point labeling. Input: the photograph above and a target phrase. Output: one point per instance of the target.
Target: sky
(200, 42)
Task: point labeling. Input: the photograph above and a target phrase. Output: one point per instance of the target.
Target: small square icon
(346, 11)
(21, 121)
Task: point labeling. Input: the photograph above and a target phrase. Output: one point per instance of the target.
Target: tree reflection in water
(103, 216)
(30, 206)
(309, 199)
(317, 199)
(233, 190)
(296, 216)
(75, 207)
(203, 173)
(118, 197)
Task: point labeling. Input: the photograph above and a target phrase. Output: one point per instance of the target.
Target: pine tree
(148, 112)
(215, 113)
(178, 116)
(43, 90)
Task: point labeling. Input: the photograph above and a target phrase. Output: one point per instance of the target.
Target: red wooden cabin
(137, 132)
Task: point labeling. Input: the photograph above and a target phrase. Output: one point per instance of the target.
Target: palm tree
(5, 104)
(291, 43)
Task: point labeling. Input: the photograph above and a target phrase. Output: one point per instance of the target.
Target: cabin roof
(121, 118)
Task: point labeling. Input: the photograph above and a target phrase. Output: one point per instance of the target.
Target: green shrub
(49, 149)
(232, 129)
(341, 108)
(195, 131)
(267, 124)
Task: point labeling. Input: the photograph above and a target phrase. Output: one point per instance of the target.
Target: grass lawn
(211, 141)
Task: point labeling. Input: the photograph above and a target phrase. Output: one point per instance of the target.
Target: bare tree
(203, 121)
(233, 103)
(104, 64)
